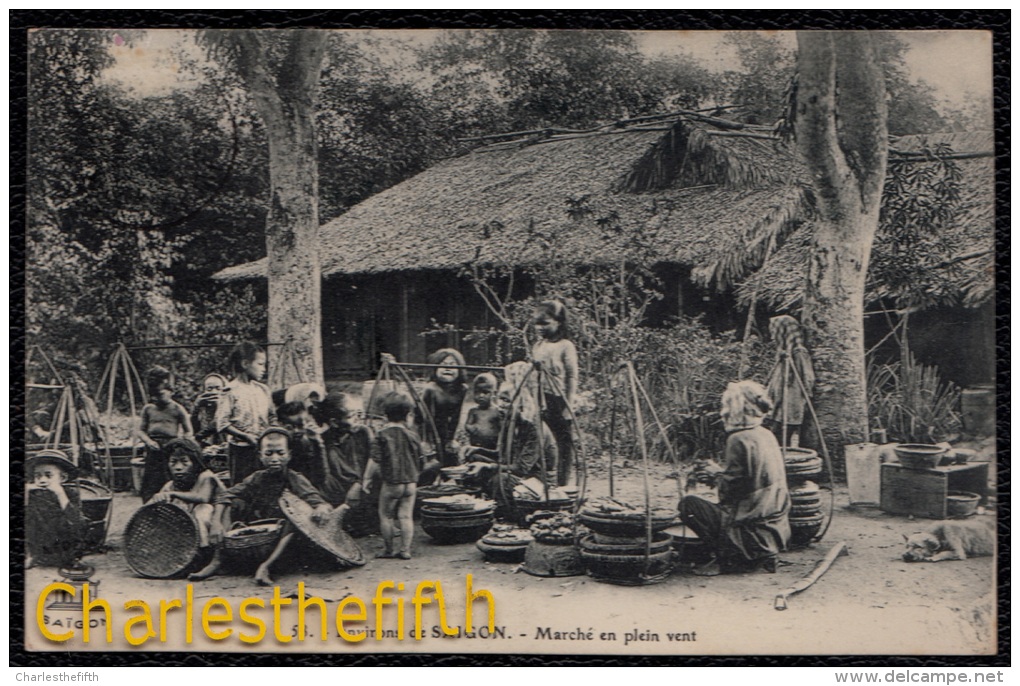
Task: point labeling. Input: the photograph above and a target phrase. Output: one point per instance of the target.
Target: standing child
(483, 421)
(163, 419)
(556, 354)
(443, 396)
(396, 456)
(192, 486)
(53, 520)
(245, 410)
(203, 418)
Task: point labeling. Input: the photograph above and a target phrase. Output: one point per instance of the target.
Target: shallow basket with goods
(611, 517)
(552, 528)
(252, 543)
(505, 543)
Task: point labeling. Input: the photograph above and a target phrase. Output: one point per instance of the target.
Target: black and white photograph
(510, 342)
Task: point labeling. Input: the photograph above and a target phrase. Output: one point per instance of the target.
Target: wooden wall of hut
(398, 313)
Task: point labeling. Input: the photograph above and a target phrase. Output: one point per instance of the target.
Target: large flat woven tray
(329, 535)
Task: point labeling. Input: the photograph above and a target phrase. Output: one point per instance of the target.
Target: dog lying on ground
(952, 540)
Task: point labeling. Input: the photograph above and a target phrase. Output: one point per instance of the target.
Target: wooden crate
(922, 492)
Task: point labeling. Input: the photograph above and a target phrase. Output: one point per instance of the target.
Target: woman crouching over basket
(750, 525)
(258, 496)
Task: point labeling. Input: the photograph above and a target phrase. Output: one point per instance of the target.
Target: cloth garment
(348, 451)
(398, 452)
(751, 521)
(559, 358)
(525, 457)
(783, 386)
(155, 472)
(257, 497)
(53, 535)
(444, 403)
(562, 426)
(203, 421)
(163, 422)
(242, 461)
(247, 407)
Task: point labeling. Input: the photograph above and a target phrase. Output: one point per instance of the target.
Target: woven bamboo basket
(161, 541)
(252, 543)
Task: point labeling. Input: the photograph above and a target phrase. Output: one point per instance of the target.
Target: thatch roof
(684, 190)
(678, 186)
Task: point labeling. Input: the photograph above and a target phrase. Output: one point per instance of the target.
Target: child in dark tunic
(258, 496)
(750, 525)
(396, 456)
(163, 419)
(53, 519)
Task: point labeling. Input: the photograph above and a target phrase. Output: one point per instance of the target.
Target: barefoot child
(53, 520)
(556, 354)
(258, 496)
(396, 456)
(245, 410)
(163, 419)
(192, 485)
(483, 422)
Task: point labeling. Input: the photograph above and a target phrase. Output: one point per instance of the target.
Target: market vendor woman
(750, 525)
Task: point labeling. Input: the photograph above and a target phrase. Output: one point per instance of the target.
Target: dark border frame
(996, 21)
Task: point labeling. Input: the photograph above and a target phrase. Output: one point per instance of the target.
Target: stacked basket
(457, 518)
(806, 515)
(618, 549)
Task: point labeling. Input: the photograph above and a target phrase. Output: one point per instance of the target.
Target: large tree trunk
(285, 95)
(842, 136)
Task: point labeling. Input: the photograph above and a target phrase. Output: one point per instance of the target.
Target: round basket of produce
(505, 543)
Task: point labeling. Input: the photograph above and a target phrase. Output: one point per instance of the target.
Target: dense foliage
(137, 198)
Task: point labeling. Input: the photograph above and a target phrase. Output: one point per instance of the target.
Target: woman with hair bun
(750, 525)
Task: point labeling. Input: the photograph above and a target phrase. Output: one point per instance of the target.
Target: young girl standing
(557, 356)
(245, 410)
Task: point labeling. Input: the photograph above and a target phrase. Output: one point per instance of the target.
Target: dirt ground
(870, 602)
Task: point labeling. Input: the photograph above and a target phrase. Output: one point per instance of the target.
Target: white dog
(952, 540)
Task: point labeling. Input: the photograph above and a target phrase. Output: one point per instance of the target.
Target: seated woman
(750, 525)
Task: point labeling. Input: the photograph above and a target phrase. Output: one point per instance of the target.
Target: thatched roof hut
(691, 190)
(680, 186)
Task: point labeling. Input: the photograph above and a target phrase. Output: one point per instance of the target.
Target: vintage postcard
(668, 343)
